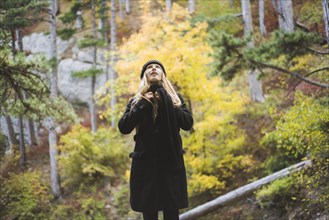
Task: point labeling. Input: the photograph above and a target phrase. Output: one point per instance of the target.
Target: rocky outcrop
(73, 89)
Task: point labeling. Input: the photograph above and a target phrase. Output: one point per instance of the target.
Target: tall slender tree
(113, 74)
(94, 64)
(262, 26)
(22, 152)
(121, 14)
(325, 6)
(127, 7)
(30, 124)
(11, 133)
(284, 9)
(18, 14)
(255, 84)
(52, 137)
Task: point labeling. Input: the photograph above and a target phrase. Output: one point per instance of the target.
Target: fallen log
(239, 193)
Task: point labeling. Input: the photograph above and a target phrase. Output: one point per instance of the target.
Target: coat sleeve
(133, 115)
(184, 116)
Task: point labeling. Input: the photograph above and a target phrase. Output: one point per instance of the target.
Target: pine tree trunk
(52, 137)
(93, 78)
(22, 154)
(13, 46)
(286, 19)
(127, 7)
(10, 128)
(191, 6)
(11, 133)
(30, 125)
(325, 6)
(262, 26)
(113, 74)
(106, 36)
(78, 21)
(100, 29)
(255, 85)
(121, 14)
(168, 5)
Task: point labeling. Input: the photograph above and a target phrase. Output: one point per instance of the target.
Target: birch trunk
(113, 74)
(127, 7)
(256, 91)
(57, 7)
(52, 137)
(168, 5)
(325, 6)
(191, 6)
(286, 15)
(239, 193)
(121, 14)
(262, 26)
(93, 78)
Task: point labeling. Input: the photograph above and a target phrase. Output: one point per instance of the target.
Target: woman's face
(153, 73)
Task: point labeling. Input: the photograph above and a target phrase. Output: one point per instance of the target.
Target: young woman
(158, 176)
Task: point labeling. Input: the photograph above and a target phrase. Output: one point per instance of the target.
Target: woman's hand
(149, 96)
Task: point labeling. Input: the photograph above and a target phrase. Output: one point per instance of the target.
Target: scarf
(169, 123)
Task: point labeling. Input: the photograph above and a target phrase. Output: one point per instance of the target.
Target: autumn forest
(253, 73)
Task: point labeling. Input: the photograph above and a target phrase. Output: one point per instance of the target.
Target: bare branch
(303, 78)
(318, 52)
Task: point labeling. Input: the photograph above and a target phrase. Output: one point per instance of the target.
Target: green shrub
(24, 196)
(121, 200)
(277, 194)
(86, 156)
(82, 208)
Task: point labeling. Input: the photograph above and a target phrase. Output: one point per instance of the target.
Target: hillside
(259, 103)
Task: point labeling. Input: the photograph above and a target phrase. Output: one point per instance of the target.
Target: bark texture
(256, 91)
(113, 74)
(262, 26)
(325, 6)
(52, 137)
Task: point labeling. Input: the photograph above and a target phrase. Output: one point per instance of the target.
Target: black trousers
(167, 215)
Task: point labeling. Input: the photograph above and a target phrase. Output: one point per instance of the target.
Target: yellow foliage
(184, 50)
(200, 182)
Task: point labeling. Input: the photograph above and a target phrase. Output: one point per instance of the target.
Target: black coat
(158, 176)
